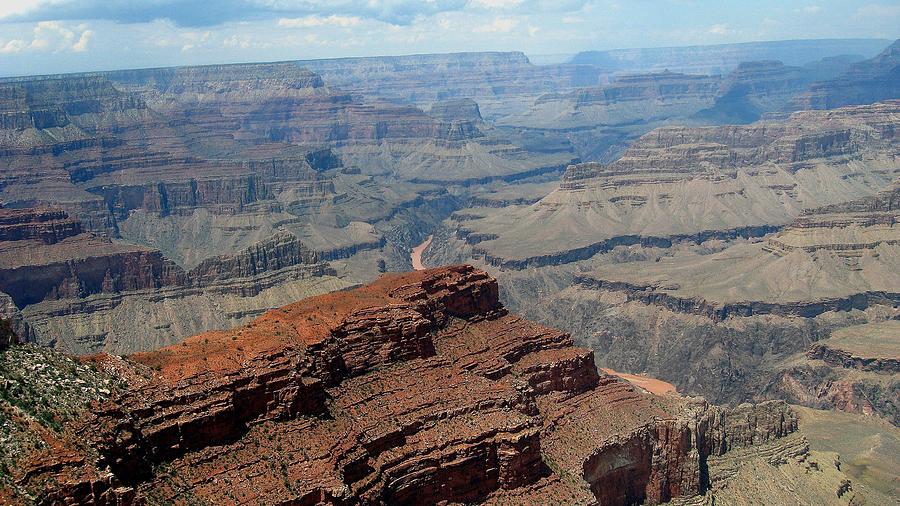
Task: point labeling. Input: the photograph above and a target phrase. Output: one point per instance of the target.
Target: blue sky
(45, 36)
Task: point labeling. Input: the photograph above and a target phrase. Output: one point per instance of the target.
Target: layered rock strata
(417, 389)
(852, 246)
(629, 99)
(174, 140)
(52, 273)
(695, 184)
(501, 82)
(243, 180)
(746, 320)
(853, 370)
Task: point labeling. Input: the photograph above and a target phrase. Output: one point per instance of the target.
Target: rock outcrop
(847, 360)
(46, 225)
(51, 273)
(629, 99)
(501, 82)
(695, 184)
(7, 334)
(854, 370)
(243, 180)
(417, 389)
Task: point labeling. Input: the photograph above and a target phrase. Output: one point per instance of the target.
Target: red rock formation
(417, 389)
(46, 225)
(847, 360)
(44, 255)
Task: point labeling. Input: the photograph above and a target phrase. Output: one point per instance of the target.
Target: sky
(53, 36)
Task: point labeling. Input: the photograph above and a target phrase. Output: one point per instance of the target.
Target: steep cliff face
(7, 334)
(417, 389)
(81, 264)
(847, 360)
(46, 256)
(278, 102)
(204, 79)
(278, 252)
(37, 114)
(853, 370)
(695, 184)
(46, 225)
(220, 138)
(629, 99)
(500, 82)
(59, 281)
(745, 319)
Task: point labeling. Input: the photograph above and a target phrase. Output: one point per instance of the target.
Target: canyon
(417, 388)
(236, 187)
(301, 282)
(712, 261)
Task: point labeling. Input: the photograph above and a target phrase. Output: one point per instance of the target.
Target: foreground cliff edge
(419, 388)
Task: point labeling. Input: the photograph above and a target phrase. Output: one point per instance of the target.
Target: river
(416, 255)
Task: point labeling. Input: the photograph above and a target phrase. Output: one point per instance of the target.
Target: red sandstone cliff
(417, 389)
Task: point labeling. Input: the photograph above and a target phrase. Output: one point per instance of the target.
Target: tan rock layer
(847, 360)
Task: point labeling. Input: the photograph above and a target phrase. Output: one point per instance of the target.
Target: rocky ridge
(51, 270)
(643, 98)
(500, 82)
(333, 400)
(727, 308)
(853, 370)
(747, 180)
(237, 184)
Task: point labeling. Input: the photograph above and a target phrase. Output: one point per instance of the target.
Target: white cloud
(719, 29)
(52, 36)
(314, 21)
(235, 41)
(13, 46)
(496, 4)
(812, 9)
(499, 25)
(39, 44)
(15, 7)
(246, 41)
(81, 45)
